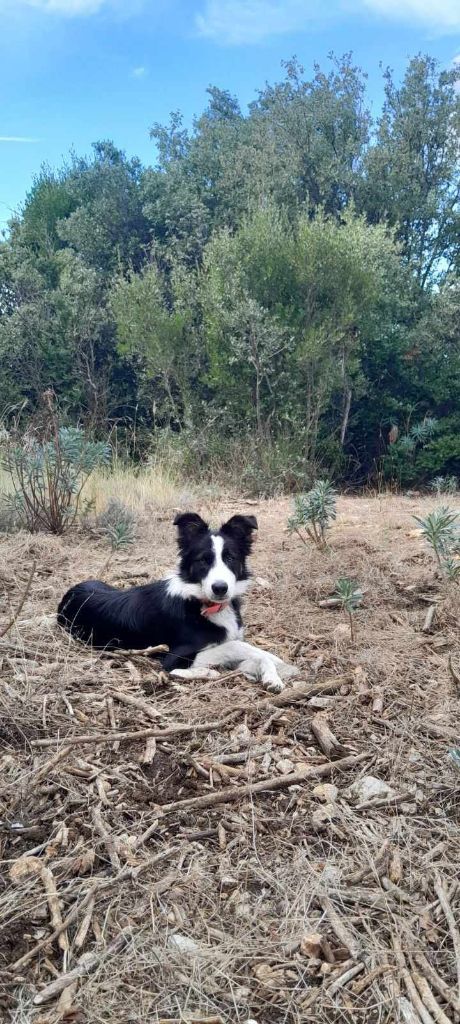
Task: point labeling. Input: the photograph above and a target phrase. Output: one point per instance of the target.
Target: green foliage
(454, 754)
(278, 290)
(117, 525)
(440, 529)
(350, 597)
(444, 485)
(412, 169)
(48, 475)
(314, 513)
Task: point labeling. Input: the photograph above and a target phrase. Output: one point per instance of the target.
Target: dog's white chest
(227, 620)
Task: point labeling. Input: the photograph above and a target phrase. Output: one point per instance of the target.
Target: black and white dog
(195, 611)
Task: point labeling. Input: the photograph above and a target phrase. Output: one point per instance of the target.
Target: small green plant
(49, 469)
(350, 597)
(117, 525)
(314, 513)
(440, 530)
(444, 485)
(454, 755)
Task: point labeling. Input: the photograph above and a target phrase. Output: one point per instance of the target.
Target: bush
(117, 524)
(441, 531)
(48, 474)
(314, 513)
(444, 485)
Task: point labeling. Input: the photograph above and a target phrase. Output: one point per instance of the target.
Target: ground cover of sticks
(207, 852)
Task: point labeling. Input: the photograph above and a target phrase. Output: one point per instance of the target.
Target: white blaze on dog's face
(212, 566)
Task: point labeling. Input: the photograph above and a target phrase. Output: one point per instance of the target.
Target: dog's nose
(219, 588)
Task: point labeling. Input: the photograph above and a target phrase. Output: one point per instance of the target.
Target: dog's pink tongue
(211, 609)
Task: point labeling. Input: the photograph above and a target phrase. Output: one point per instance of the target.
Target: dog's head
(212, 564)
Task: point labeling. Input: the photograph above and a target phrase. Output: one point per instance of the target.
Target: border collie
(195, 611)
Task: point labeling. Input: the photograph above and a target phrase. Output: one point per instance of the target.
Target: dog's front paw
(194, 673)
(274, 685)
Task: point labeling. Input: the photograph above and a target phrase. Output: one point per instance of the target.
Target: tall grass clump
(314, 513)
(440, 529)
(48, 467)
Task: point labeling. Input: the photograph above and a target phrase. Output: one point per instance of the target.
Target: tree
(154, 318)
(412, 172)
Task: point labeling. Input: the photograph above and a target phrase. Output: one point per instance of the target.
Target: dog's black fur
(164, 612)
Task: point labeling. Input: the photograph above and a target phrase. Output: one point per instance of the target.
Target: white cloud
(236, 22)
(140, 72)
(70, 8)
(250, 21)
(67, 7)
(440, 17)
(18, 138)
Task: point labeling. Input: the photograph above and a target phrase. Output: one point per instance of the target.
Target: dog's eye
(201, 565)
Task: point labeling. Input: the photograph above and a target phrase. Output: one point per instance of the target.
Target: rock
(319, 703)
(263, 583)
(310, 945)
(227, 883)
(326, 792)
(25, 867)
(395, 868)
(323, 816)
(284, 766)
(371, 788)
(183, 943)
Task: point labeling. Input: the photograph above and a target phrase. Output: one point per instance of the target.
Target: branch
(21, 604)
(233, 793)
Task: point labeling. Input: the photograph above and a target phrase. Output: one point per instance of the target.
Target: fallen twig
(377, 972)
(428, 998)
(406, 1011)
(22, 602)
(371, 867)
(49, 883)
(443, 898)
(48, 767)
(328, 743)
(454, 674)
(280, 782)
(87, 963)
(71, 917)
(143, 652)
(106, 837)
(429, 619)
(436, 981)
(109, 737)
(340, 929)
(344, 978)
(412, 992)
(136, 702)
(291, 696)
(82, 932)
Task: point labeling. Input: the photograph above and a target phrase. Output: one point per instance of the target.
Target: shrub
(440, 530)
(117, 524)
(48, 471)
(350, 597)
(314, 513)
(444, 485)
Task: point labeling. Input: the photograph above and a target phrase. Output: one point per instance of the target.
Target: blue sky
(74, 71)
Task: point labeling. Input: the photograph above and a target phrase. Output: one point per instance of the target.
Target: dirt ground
(195, 872)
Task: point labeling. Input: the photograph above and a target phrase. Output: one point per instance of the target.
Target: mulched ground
(226, 864)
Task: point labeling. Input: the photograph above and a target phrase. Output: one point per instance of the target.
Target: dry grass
(154, 486)
(214, 903)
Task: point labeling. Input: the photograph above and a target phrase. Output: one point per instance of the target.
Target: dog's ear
(190, 525)
(241, 529)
